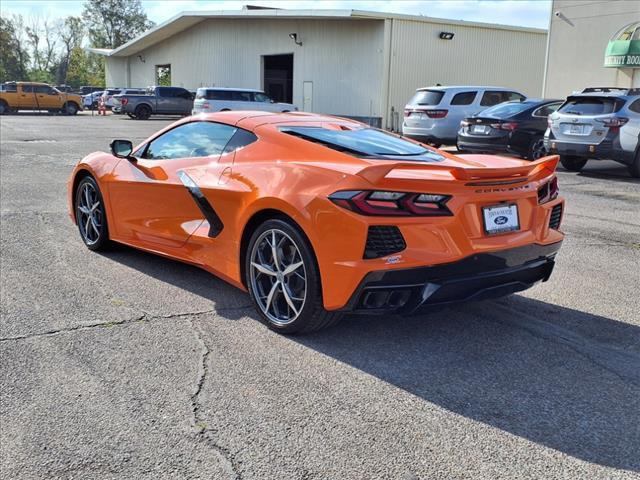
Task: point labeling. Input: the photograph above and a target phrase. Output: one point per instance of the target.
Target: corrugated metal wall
(475, 56)
(343, 59)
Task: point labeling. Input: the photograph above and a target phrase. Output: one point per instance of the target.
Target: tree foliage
(13, 55)
(112, 23)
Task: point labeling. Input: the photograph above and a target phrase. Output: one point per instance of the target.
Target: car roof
(464, 87)
(250, 119)
(230, 89)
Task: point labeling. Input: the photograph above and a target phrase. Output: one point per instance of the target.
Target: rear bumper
(608, 149)
(478, 277)
(438, 133)
(476, 144)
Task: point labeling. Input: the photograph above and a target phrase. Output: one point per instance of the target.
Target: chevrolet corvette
(316, 216)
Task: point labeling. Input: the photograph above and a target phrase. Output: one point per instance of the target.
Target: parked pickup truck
(157, 101)
(16, 96)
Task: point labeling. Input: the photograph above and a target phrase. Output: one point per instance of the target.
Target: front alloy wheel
(283, 279)
(537, 149)
(90, 214)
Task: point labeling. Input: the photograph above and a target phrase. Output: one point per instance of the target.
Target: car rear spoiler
(375, 173)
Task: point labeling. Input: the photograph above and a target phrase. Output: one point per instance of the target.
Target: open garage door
(278, 77)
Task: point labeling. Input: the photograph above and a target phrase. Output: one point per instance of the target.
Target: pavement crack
(138, 318)
(197, 421)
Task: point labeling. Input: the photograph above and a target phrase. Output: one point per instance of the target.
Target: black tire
(536, 149)
(312, 315)
(634, 168)
(4, 108)
(573, 163)
(71, 108)
(92, 241)
(142, 112)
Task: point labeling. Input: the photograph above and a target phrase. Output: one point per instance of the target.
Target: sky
(526, 13)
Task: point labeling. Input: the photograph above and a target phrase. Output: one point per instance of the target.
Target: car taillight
(206, 105)
(549, 191)
(613, 121)
(436, 113)
(510, 126)
(392, 204)
(549, 122)
(407, 112)
(124, 101)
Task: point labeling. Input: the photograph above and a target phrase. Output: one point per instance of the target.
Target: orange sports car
(317, 216)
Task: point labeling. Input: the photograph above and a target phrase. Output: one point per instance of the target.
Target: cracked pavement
(128, 365)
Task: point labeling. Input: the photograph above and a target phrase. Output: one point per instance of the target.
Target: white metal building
(580, 34)
(353, 63)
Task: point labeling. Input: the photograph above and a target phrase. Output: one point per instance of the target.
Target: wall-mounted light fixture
(446, 35)
(563, 17)
(141, 58)
(294, 37)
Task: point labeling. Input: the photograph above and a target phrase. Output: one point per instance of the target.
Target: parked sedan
(513, 127)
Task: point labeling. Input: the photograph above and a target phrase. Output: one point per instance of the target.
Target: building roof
(185, 20)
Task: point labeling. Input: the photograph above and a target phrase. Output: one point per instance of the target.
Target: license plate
(576, 129)
(479, 129)
(501, 219)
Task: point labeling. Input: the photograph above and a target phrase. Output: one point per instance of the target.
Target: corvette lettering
(498, 190)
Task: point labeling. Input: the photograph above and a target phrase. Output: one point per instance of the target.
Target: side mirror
(121, 148)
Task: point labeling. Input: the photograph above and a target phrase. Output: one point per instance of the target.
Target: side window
(44, 89)
(27, 88)
(489, 99)
(195, 139)
(242, 96)
(240, 139)
(186, 94)
(513, 97)
(261, 97)
(545, 110)
(635, 106)
(463, 98)
(221, 95)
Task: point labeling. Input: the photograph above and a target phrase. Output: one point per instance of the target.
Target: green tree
(14, 58)
(70, 32)
(112, 23)
(85, 68)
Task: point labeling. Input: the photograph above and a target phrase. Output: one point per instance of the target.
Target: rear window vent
(556, 217)
(383, 240)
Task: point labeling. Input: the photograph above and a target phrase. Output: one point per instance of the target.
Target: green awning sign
(623, 50)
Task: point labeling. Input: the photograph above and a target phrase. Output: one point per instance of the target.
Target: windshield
(590, 105)
(505, 110)
(363, 141)
(427, 97)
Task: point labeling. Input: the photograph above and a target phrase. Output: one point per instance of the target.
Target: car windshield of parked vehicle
(504, 110)
(363, 142)
(590, 106)
(427, 97)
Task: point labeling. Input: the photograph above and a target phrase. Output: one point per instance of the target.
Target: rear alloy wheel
(90, 215)
(4, 108)
(142, 112)
(573, 163)
(537, 149)
(284, 281)
(70, 108)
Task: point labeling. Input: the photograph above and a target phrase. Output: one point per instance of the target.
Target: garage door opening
(278, 77)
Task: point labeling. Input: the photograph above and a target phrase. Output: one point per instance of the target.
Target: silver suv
(598, 123)
(433, 114)
(215, 99)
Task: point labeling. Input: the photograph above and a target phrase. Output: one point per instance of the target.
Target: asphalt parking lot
(126, 365)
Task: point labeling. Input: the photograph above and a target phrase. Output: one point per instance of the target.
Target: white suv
(213, 99)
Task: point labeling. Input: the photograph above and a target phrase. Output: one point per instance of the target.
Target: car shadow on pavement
(225, 297)
(554, 386)
(562, 378)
